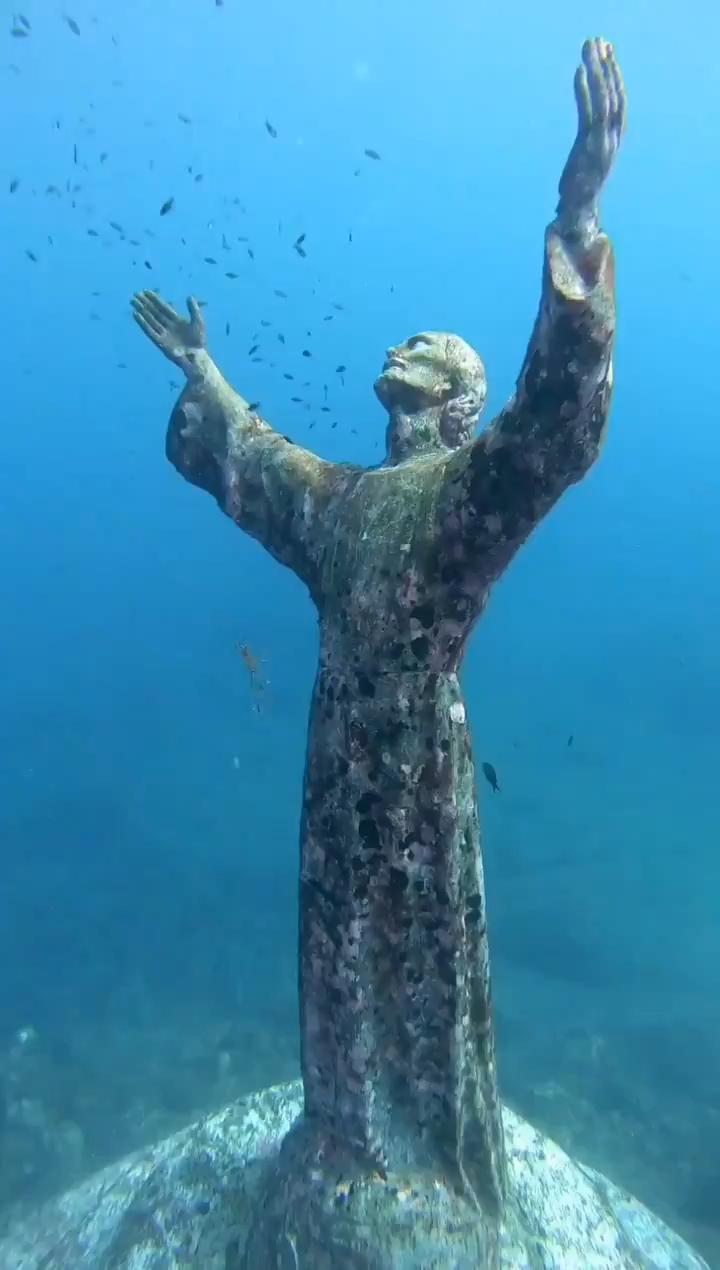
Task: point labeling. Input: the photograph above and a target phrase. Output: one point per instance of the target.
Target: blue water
(148, 813)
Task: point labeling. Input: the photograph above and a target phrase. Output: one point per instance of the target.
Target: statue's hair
(469, 389)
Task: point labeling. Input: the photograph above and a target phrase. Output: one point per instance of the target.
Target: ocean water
(149, 799)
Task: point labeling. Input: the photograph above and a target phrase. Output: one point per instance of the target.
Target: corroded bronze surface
(398, 1060)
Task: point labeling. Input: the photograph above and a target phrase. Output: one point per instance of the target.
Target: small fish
(296, 399)
(231, 275)
(271, 130)
(306, 353)
(339, 369)
(210, 260)
(288, 376)
(167, 206)
(147, 264)
(372, 154)
(281, 338)
(570, 739)
(251, 253)
(300, 251)
(75, 154)
(281, 294)
(252, 350)
(31, 255)
(184, 119)
(118, 228)
(253, 405)
(93, 233)
(227, 328)
(13, 186)
(19, 32)
(491, 777)
(72, 24)
(21, 18)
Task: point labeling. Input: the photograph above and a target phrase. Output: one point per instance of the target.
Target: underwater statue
(395, 1151)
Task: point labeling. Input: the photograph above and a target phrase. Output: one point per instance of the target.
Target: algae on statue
(397, 1046)
(394, 1151)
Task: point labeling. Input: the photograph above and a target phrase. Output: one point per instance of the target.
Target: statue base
(207, 1198)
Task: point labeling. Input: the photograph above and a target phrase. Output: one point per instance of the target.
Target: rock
(187, 1202)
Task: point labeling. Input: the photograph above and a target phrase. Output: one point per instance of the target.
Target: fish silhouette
(491, 777)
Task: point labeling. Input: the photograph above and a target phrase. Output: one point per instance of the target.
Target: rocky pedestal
(189, 1201)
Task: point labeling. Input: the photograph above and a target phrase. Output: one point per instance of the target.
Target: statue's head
(433, 387)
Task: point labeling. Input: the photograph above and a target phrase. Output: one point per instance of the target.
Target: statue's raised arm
(503, 483)
(271, 488)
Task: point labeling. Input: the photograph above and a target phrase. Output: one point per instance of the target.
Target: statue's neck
(411, 434)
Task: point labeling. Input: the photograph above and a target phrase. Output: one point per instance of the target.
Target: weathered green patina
(401, 1155)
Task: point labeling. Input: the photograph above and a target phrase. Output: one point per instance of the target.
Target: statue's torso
(390, 595)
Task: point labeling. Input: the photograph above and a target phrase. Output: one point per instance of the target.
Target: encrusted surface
(185, 1203)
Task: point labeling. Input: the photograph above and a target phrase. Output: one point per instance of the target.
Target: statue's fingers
(597, 83)
(195, 312)
(163, 311)
(150, 328)
(582, 97)
(619, 94)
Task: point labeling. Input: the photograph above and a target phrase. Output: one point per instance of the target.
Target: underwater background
(342, 176)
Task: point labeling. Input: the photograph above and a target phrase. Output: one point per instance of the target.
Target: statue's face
(416, 374)
(433, 387)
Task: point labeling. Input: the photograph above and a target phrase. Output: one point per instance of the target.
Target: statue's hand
(601, 104)
(177, 338)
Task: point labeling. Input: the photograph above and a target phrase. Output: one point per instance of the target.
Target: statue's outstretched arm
(550, 432)
(271, 488)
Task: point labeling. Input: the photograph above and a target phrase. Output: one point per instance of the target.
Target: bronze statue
(397, 1047)
(395, 1150)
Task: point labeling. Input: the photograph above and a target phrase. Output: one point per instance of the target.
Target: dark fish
(288, 376)
(118, 228)
(251, 253)
(372, 154)
(93, 233)
(199, 177)
(147, 264)
(339, 307)
(227, 328)
(306, 353)
(72, 24)
(13, 186)
(281, 338)
(349, 235)
(271, 130)
(570, 739)
(339, 369)
(252, 350)
(231, 275)
(184, 119)
(31, 255)
(300, 240)
(167, 206)
(21, 18)
(75, 154)
(282, 294)
(253, 405)
(491, 777)
(296, 398)
(300, 251)
(19, 32)
(210, 260)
